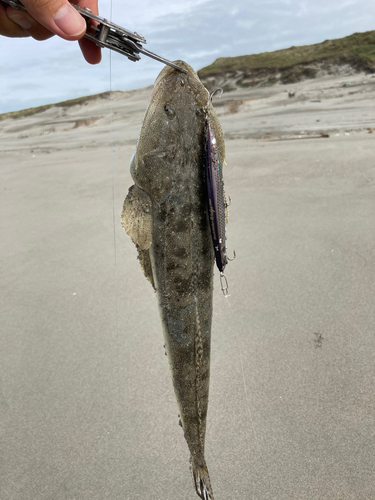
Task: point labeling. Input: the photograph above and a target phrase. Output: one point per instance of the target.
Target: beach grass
(357, 48)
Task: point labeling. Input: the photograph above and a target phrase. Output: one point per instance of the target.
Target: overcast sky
(197, 31)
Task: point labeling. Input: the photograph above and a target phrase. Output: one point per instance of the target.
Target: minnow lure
(217, 204)
(216, 197)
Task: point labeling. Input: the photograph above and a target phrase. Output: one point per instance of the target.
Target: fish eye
(169, 109)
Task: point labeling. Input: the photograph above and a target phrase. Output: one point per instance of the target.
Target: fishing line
(114, 227)
(248, 406)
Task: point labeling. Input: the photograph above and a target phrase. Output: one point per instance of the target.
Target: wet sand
(87, 409)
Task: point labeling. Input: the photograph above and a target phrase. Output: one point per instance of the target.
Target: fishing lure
(216, 202)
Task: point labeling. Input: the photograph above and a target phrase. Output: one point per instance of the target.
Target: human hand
(45, 18)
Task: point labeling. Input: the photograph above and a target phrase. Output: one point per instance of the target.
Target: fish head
(172, 131)
(172, 80)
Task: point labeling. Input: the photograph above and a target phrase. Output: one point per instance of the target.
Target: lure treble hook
(224, 285)
(214, 92)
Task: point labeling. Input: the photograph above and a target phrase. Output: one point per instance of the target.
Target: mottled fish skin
(166, 215)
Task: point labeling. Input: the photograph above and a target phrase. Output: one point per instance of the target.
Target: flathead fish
(166, 215)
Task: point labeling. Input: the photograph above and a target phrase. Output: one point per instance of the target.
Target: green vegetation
(357, 49)
(64, 104)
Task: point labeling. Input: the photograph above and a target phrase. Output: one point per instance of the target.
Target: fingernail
(21, 20)
(69, 21)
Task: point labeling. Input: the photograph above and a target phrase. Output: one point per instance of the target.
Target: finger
(58, 16)
(8, 27)
(28, 24)
(91, 52)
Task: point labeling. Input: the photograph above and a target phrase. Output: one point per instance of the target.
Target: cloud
(198, 31)
(148, 13)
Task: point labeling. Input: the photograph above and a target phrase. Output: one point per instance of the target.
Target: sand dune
(87, 409)
(325, 105)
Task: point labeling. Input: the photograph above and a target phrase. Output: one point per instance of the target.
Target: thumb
(58, 16)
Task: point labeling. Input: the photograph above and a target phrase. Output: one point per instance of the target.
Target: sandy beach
(87, 409)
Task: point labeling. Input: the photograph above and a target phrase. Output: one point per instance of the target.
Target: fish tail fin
(201, 479)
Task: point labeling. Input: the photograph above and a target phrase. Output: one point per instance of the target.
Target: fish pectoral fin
(136, 217)
(145, 261)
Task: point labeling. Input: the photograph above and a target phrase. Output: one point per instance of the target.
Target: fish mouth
(172, 78)
(168, 73)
